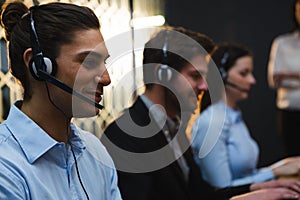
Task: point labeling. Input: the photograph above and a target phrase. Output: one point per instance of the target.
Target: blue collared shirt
(35, 166)
(224, 149)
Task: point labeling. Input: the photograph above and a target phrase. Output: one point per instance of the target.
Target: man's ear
(27, 56)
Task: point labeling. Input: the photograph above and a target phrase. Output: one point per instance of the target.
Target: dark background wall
(253, 23)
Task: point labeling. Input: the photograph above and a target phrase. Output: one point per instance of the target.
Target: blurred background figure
(232, 155)
(284, 76)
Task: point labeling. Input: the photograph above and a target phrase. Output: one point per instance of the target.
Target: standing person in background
(148, 141)
(42, 154)
(232, 155)
(284, 76)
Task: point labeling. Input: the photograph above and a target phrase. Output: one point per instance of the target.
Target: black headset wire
(69, 142)
(78, 174)
(39, 53)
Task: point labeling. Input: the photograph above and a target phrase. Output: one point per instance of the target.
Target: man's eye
(196, 76)
(107, 60)
(91, 63)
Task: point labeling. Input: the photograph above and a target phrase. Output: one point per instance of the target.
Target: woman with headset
(224, 149)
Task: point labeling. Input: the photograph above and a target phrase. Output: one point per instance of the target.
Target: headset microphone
(51, 79)
(235, 86)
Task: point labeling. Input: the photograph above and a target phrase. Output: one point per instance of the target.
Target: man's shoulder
(129, 117)
(133, 130)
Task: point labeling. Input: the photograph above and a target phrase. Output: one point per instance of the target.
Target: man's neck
(53, 122)
(157, 95)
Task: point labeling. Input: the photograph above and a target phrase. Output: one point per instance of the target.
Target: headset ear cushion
(48, 63)
(49, 66)
(164, 73)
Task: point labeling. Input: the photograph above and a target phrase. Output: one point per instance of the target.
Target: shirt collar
(158, 115)
(156, 112)
(42, 142)
(76, 140)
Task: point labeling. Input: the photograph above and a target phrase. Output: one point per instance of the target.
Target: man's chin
(85, 111)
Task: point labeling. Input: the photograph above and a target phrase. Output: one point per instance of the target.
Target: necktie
(173, 127)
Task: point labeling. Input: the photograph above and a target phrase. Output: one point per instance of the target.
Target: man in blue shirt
(43, 154)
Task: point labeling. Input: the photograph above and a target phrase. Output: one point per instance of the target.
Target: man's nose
(104, 79)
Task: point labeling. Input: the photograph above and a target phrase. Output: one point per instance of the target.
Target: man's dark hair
(182, 46)
(55, 24)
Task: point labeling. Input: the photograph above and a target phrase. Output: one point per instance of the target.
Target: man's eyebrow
(94, 54)
(201, 72)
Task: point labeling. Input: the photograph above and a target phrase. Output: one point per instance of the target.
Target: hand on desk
(268, 194)
(287, 185)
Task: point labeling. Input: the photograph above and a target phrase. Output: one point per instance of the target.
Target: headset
(164, 72)
(44, 69)
(222, 70)
(38, 61)
(224, 74)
